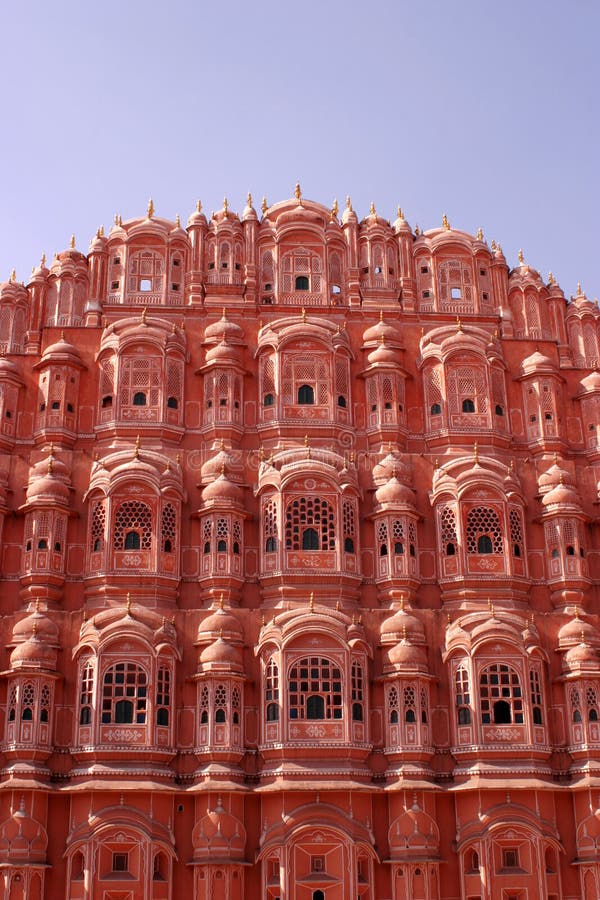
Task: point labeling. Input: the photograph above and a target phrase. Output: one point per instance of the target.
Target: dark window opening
(27, 715)
(120, 862)
(348, 545)
(220, 716)
(162, 716)
(468, 406)
(464, 715)
(516, 550)
(57, 546)
(570, 551)
(168, 547)
(236, 548)
(124, 712)
(272, 712)
(270, 545)
(132, 541)
(342, 402)
(310, 539)
(269, 400)
(107, 402)
(537, 715)
(221, 546)
(502, 713)
(399, 548)
(383, 550)
(357, 712)
(69, 407)
(306, 395)
(450, 550)
(499, 410)
(42, 544)
(410, 716)
(484, 544)
(172, 403)
(436, 409)
(139, 398)
(207, 547)
(315, 707)
(85, 717)
(302, 283)
(55, 404)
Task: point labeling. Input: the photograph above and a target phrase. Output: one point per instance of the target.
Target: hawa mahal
(299, 566)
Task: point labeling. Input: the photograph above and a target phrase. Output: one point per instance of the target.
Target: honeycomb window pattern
(132, 515)
(305, 512)
(315, 689)
(484, 522)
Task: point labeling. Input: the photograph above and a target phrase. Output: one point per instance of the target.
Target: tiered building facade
(299, 566)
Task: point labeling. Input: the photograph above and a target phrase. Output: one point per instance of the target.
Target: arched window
(357, 692)
(302, 283)
(86, 694)
(468, 406)
(535, 687)
(139, 398)
(393, 704)
(271, 545)
(315, 686)
(436, 409)
(272, 691)
(133, 517)
(124, 694)
(463, 696)
(310, 539)
(163, 696)
(172, 403)
(306, 395)
(268, 400)
(484, 522)
(318, 895)
(501, 696)
(310, 514)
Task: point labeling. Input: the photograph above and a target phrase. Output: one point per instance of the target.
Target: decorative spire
(13, 276)
(198, 206)
(143, 316)
(311, 602)
(400, 214)
(150, 210)
(417, 230)
(136, 452)
(43, 261)
(225, 205)
(445, 222)
(264, 205)
(128, 603)
(480, 234)
(372, 210)
(521, 257)
(334, 210)
(303, 315)
(298, 193)
(551, 278)
(579, 291)
(459, 327)
(72, 242)
(177, 221)
(493, 244)
(348, 203)
(476, 452)
(249, 200)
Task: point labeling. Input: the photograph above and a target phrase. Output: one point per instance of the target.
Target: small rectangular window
(455, 293)
(174, 286)
(426, 294)
(114, 285)
(510, 858)
(211, 265)
(120, 862)
(317, 863)
(145, 284)
(117, 261)
(175, 262)
(224, 265)
(482, 272)
(485, 295)
(424, 270)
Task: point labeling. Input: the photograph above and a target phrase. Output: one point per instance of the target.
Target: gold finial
(136, 452)
(168, 466)
(348, 202)
(417, 230)
(261, 454)
(579, 289)
(13, 275)
(458, 324)
(264, 206)
(34, 628)
(221, 601)
(303, 315)
(150, 210)
(476, 452)
(311, 602)
(72, 242)
(249, 199)
(521, 257)
(576, 612)
(50, 464)
(143, 316)
(224, 313)
(128, 603)
(307, 445)
(338, 606)
(298, 192)
(445, 222)
(43, 261)
(198, 206)
(177, 221)
(225, 205)
(401, 602)
(551, 278)
(37, 604)
(404, 632)
(102, 231)
(582, 636)
(480, 234)
(116, 220)
(493, 244)
(372, 210)
(448, 620)
(222, 444)
(382, 339)
(334, 209)
(400, 214)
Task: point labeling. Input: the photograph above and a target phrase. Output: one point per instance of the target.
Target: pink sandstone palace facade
(299, 566)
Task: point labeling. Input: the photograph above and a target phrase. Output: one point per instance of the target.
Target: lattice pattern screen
(146, 267)
(301, 262)
(299, 370)
(124, 694)
(516, 531)
(482, 521)
(500, 682)
(168, 526)
(315, 677)
(132, 515)
(140, 375)
(448, 525)
(455, 281)
(357, 692)
(310, 512)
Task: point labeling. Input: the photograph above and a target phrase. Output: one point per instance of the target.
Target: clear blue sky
(486, 111)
